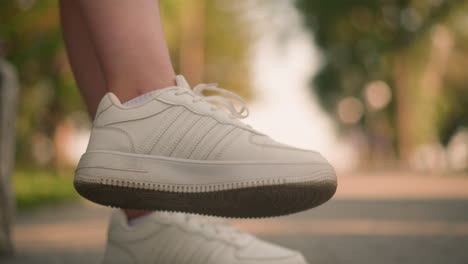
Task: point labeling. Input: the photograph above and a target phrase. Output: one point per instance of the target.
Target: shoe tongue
(181, 82)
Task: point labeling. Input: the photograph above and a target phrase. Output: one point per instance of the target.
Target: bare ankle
(128, 89)
(132, 214)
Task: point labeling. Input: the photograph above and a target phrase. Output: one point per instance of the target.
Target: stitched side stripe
(191, 139)
(210, 141)
(175, 133)
(169, 117)
(224, 143)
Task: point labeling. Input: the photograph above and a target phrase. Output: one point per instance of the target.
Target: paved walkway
(412, 219)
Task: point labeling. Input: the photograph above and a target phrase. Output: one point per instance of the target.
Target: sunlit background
(378, 86)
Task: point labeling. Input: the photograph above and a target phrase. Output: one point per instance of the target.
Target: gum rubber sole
(252, 202)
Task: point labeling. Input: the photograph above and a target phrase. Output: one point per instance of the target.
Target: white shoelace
(228, 101)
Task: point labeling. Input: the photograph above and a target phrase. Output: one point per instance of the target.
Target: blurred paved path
(393, 225)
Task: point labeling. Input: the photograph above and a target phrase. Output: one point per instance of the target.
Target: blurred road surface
(414, 219)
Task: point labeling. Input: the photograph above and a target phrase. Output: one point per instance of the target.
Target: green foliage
(227, 46)
(362, 40)
(31, 41)
(34, 187)
(226, 41)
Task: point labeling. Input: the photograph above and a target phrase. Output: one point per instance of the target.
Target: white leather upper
(177, 123)
(188, 239)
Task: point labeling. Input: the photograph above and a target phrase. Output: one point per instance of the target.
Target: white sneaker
(178, 151)
(188, 239)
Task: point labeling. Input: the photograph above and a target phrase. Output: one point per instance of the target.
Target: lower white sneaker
(188, 239)
(179, 150)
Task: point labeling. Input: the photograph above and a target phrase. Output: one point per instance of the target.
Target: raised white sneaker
(179, 151)
(188, 239)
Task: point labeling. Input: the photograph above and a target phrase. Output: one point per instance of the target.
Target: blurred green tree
(416, 48)
(30, 39)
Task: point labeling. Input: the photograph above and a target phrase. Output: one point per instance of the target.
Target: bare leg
(82, 56)
(85, 64)
(130, 44)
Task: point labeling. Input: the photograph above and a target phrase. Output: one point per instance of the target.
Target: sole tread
(251, 202)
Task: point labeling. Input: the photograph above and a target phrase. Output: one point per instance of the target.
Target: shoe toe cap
(255, 147)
